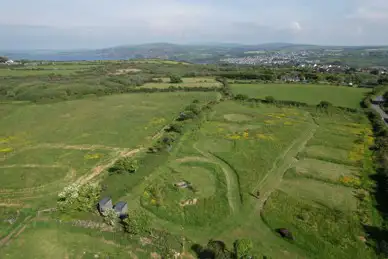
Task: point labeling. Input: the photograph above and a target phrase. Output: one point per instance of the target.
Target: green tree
(3, 59)
(270, 99)
(137, 223)
(324, 105)
(124, 165)
(196, 109)
(175, 79)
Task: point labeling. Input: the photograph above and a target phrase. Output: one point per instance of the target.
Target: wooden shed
(104, 204)
(121, 209)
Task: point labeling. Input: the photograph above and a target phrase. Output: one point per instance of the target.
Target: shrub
(324, 105)
(110, 217)
(270, 99)
(174, 79)
(243, 248)
(79, 198)
(194, 109)
(137, 223)
(241, 97)
(124, 165)
(175, 127)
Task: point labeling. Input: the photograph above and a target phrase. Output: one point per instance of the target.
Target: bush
(137, 223)
(270, 99)
(243, 248)
(174, 79)
(241, 97)
(324, 105)
(193, 108)
(124, 165)
(175, 127)
(79, 198)
(110, 217)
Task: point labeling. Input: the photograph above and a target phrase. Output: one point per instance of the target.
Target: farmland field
(42, 70)
(187, 82)
(311, 94)
(46, 146)
(192, 166)
(31, 72)
(318, 197)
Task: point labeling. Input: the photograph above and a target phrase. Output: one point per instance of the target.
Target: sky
(89, 24)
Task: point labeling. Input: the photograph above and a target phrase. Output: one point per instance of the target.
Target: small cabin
(121, 209)
(104, 204)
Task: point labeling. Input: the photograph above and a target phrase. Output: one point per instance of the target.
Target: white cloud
(295, 26)
(375, 11)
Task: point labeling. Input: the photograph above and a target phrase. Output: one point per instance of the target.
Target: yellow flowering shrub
(269, 122)
(93, 156)
(350, 181)
(6, 150)
(264, 137)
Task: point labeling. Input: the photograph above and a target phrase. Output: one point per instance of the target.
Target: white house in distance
(9, 62)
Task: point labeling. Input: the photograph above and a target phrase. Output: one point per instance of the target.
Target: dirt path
(77, 147)
(274, 177)
(11, 205)
(271, 182)
(100, 168)
(31, 166)
(230, 177)
(16, 232)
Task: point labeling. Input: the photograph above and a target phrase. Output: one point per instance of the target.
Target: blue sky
(72, 24)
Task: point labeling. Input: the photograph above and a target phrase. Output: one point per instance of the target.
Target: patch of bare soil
(101, 168)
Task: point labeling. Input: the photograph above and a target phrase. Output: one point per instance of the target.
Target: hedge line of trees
(379, 234)
(271, 100)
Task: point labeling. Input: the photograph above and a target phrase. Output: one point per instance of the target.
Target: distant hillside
(192, 53)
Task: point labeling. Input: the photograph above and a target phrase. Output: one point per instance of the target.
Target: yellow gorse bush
(6, 150)
(350, 181)
(93, 156)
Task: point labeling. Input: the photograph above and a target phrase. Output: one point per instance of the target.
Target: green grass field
(159, 61)
(187, 82)
(311, 94)
(32, 72)
(249, 168)
(317, 200)
(44, 147)
(51, 241)
(61, 68)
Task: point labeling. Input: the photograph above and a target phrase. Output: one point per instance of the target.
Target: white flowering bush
(110, 217)
(77, 197)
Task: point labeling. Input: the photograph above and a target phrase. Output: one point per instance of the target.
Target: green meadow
(308, 93)
(198, 165)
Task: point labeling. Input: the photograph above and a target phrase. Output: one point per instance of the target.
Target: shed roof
(120, 205)
(105, 200)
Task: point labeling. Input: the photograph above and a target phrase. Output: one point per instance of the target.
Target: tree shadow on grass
(379, 235)
(203, 252)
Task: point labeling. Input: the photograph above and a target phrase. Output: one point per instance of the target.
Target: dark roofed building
(121, 208)
(104, 204)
